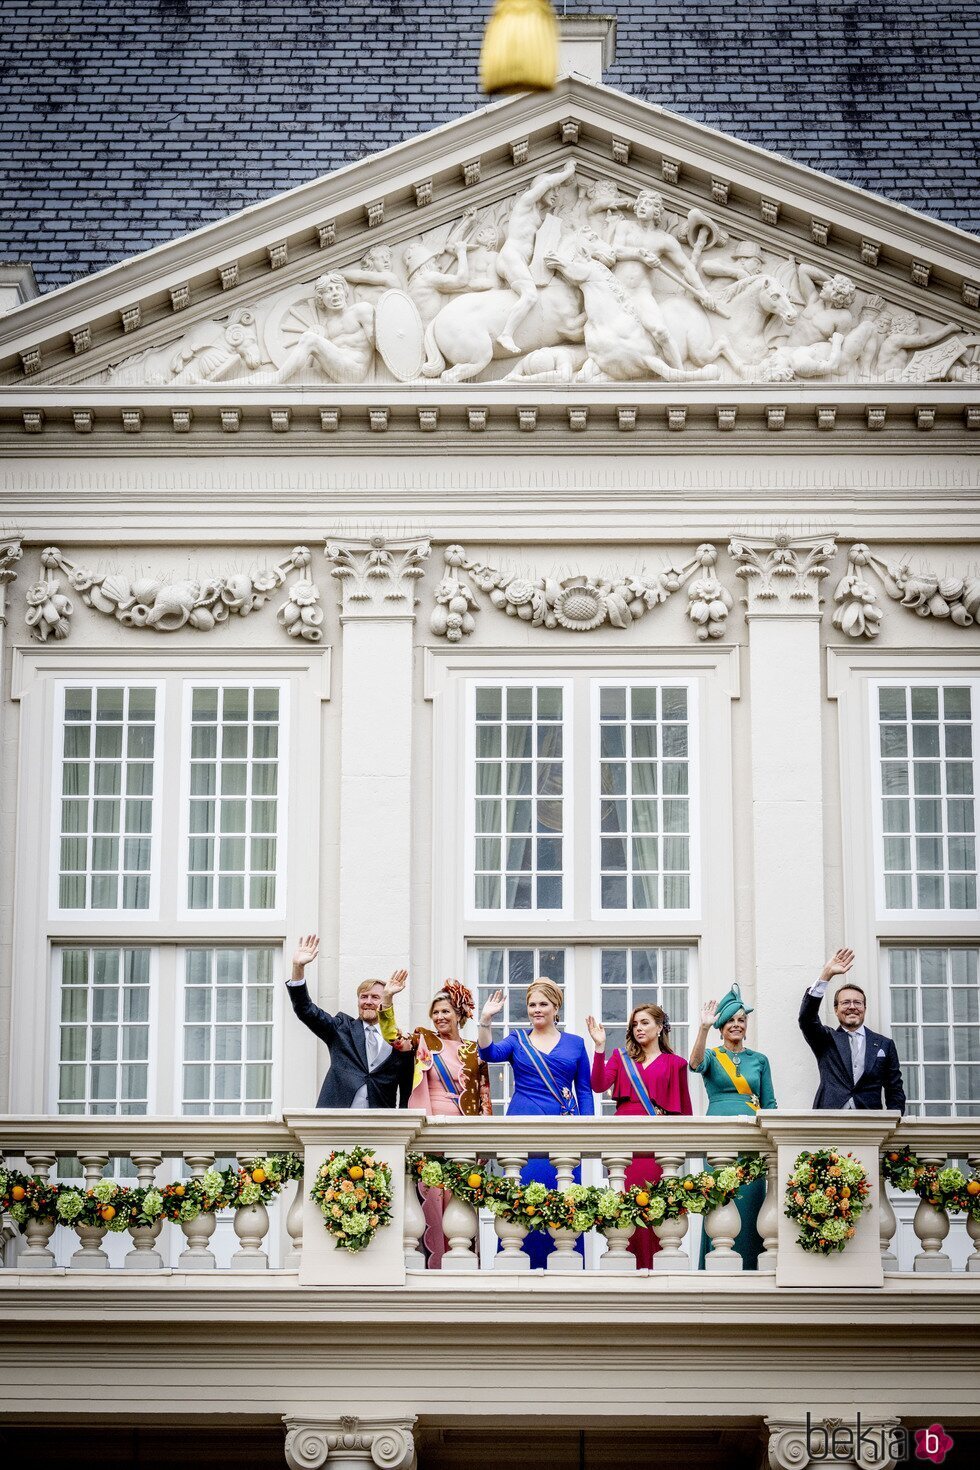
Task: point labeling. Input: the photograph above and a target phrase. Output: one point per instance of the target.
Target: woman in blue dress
(551, 1076)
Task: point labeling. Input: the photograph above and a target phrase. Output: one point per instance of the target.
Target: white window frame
(693, 909)
(874, 723)
(532, 916)
(185, 913)
(277, 1022)
(89, 914)
(54, 1033)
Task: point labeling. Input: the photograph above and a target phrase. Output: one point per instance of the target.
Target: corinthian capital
(377, 576)
(782, 573)
(348, 1442)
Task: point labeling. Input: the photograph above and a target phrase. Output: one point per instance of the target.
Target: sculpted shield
(398, 334)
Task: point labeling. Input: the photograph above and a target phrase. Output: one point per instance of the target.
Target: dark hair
(849, 986)
(633, 1047)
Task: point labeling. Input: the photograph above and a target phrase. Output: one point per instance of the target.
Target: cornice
(480, 418)
(413, 184)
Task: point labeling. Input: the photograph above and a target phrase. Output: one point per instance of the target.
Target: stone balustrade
(288, 1235)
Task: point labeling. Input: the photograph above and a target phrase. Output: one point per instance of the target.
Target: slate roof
(126, 124)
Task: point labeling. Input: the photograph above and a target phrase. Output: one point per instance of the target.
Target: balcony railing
(289, 1237)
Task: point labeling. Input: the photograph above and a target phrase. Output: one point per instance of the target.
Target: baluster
(294, 1228)
(722, 1225)
(565, 1257)
(414, 1224)
(768, 1222)
(931, 1226)
(36, 1256)
(617, 1257)
(90, 1256)
(144, 1256)
(511, 1235)
(973, 1226)
(460, 1224)
(197, 1256)
(251, 1225)
(671, 1256)
(887, 1225)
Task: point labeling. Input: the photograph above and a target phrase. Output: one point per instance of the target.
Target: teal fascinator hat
(729, 1004)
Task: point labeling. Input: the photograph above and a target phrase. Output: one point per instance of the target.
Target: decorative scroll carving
(578, 604)
(349, 1440)
(377, 575)
(168, 604)
(566, 279)
(866, 1444)
(858, 612)
(10, 554)
(782, 566)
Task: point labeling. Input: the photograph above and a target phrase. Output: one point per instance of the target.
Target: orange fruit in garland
(18, 1192)
(356, 1172)
(258, 1176)
(179, 1189)
(474, 1180)
(688, 1183)
(108, 1212)
(972, 1188)
(642, 1198)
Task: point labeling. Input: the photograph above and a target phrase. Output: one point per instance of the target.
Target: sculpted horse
(750, 304)
(461, 340)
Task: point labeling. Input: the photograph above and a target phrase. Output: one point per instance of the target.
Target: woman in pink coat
(646, 1077)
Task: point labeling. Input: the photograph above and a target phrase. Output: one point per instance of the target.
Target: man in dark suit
(365, 1070)
(856, 1064)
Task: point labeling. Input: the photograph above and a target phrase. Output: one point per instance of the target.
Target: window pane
(935, 1008)
(234, 784)
(925, 742)
(227, 1038)
(106, 1043)
(518, 750)
(511, 970)
(103, 754)
(629, 977)
(649, 724)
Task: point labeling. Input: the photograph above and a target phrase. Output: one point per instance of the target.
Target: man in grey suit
(857, 1065)
(365, 1070)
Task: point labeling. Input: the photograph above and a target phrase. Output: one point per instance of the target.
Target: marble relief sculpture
(569, 280)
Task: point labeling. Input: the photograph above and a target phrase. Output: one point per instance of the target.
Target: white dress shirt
(378, 1052)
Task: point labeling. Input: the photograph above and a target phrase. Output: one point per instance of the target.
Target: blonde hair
(548, 989)
(367, 985)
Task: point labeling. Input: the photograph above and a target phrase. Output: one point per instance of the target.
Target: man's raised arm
(321, 1023)
(816, 1034)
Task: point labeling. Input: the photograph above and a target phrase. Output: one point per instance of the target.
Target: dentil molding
(349, 1442)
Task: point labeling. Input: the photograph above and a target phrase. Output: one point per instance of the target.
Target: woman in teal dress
(739, 1083)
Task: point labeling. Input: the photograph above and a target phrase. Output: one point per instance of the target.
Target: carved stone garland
(859, 613)
(166, 605)
(580, 603)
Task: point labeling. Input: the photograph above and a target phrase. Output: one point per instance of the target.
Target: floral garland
(583, 1207)
(353, 1191)
(118, 1207)
(826, 1194)
(949, 1190)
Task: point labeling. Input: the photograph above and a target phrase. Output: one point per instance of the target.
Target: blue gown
(569, 1065)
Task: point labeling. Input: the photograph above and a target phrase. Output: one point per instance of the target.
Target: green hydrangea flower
(696, 1203)
(4, 1181)
(104, 1190)
(727, 1179)
(357, 1223)
(119, 1223)
(656, 1208)
(608, 1204)
(576, 1193)
(818, 1204)
(431, 1174)
(70, 1205)
(950, 1180)
(250, 1194)
(152, 1204)
(851, 1171)
(582, 1220)
(19, 1212)
(834, 1230)
(802, 1174)
(211, 1182)
(189, 1210)
(535, 1193)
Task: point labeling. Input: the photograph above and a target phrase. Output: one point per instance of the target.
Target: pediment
(580, 237)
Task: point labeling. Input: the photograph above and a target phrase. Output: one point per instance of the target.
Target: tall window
(512, 970)
(103, 1030)
(927, 783)
(227, 1034)
(519, 824)
(644, 797)
(233, 822)
(935, 1014)
(108, 748)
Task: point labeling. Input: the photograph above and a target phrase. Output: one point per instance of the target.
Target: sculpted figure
(645, 240)
(901, 336)
(827, 313)
(341, 343)
(427, 284)
(374, 273)
(620, 347)
(212, 362)
(517, 251)
(744, 262)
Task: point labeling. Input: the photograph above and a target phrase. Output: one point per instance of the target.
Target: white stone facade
(214, 481)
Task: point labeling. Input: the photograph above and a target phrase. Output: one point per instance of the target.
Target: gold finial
(520, 47)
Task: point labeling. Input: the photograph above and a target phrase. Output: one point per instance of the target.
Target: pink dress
(431, 1095)
(665, 1079)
